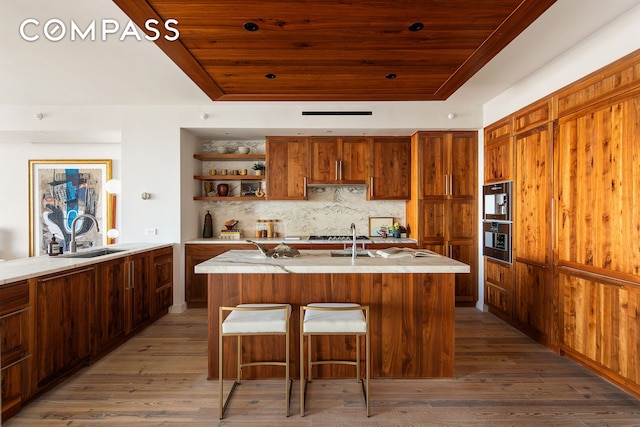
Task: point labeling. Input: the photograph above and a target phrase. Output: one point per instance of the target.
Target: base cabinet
(51, 326)
(600, 324)
(63, 324)
(162, 282)
(15, 330)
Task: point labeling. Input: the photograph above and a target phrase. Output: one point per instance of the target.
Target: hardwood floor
(502, 379)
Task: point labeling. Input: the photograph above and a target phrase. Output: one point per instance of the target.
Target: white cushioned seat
(352, 321)
(256, 321)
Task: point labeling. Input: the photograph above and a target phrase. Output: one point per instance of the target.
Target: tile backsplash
(329, 210)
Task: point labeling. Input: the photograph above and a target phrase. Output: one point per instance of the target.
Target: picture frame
(59, 191)
(376, 223)
(250, 188)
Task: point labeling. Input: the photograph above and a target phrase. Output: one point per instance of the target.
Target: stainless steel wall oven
(496, 224)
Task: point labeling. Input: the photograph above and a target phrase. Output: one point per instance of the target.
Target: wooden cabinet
(498, 292)
(339, 160)
(162, 280)
(598, 202)
(210, 179)
(498, 152)
(532, 233)
(111, 305)
(599, 324)
(441, 214)
(196, 284)
(390, 176)
(139, 290)
(15, 333)
(287, 168)
(63, 324)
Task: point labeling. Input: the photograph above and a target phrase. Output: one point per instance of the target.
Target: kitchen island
(411, 304)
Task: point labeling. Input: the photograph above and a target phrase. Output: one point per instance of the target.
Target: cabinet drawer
(498, 274)
(499, 299)
(14, 339)
(14, 297)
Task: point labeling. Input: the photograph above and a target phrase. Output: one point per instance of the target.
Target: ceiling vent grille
(337, 113)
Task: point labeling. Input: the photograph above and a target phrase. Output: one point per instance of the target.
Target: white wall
(14, 173)
(612, 42)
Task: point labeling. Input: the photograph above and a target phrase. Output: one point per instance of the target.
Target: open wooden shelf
(229, 177)
(212, 156)
(227, 198)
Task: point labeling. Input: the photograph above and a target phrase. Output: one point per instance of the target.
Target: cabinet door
(463, 169)
(598, 202)
(139, 290)
(391, 169)
(434, 165)
(162, 294)
(287, 168)
(533, 302)
(533, 194)
(599, 320)
(111, 304)
(498, 291)
(497, 161)
(64, 316)
(354, 160)
(324, 160)
(466, 283)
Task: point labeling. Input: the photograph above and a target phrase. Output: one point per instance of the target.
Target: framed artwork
(378, 223)
(61, 190)
(250, 188)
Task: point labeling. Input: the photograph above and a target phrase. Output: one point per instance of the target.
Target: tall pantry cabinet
(574, 284)
(442, 212)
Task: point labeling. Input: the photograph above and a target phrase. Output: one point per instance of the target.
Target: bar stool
(334, 319)
(250, 320)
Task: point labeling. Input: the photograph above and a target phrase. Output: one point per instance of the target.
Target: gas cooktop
(341, 238)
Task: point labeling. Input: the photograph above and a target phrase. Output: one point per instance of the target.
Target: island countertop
(321, 261)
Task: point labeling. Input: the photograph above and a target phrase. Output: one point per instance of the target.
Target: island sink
(348, 253)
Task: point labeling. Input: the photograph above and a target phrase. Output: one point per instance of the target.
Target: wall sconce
(145, 196)
(113, 187)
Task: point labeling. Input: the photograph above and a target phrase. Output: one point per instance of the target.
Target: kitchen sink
(347, 253)
(92, 254)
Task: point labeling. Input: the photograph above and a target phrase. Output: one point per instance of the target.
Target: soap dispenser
(54, 247)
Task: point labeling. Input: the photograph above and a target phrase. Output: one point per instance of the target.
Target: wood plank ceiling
(335, 50)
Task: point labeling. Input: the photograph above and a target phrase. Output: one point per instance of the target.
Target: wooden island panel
(412, 321)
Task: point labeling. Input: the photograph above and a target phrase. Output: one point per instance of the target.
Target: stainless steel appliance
(497, 201)
(496, 224)
(497, 240)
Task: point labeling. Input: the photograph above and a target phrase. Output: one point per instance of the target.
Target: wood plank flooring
(158, 378)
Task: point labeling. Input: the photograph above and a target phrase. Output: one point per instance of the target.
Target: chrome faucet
(354, 247)
(73, 245)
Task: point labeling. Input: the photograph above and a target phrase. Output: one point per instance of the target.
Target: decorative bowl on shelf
(243, 150)
(221, 150)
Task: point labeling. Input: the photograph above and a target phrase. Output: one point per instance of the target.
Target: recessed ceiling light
(390, 76)
(270, 76)
(250, 26)
(416, 26)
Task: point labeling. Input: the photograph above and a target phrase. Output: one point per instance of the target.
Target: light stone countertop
(26, 268)
(321, 261)
(301, 240)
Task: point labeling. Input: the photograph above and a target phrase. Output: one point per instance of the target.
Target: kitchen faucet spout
(73, 245)
(354, 247)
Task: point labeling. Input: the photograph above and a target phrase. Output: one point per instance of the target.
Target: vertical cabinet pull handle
(371, 187)
(337, 168)
(304, 190)
(451, 185)
(446, 185)
(340, 164)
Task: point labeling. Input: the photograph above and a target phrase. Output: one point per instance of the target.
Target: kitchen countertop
(302, 240)
(26, 268)
(321, 261)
